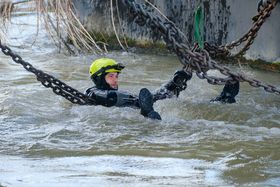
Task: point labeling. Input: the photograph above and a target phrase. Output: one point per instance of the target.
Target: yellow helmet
(104, 65)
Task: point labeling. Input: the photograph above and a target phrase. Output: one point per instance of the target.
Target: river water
(47, 141)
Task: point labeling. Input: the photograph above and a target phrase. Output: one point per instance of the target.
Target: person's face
(112, 80)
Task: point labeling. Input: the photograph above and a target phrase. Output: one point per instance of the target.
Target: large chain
(58, 87)
(249, 37)
(198, 60)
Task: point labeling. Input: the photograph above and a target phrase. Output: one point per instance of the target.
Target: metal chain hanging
(249, 37)
(198, 61)
(58, 87)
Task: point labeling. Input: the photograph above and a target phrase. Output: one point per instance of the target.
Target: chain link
(198, 60)
(58, 87)
(249, 37)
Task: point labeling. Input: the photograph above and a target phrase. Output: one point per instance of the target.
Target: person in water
(104, 72)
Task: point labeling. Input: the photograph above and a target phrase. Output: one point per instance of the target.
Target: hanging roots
(6, 8)
(60, 21)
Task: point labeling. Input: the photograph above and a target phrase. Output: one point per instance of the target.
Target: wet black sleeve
(102, 97)
(110, 98)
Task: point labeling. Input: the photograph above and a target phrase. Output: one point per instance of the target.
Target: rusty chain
(58, 87)
(249, 37)
(198, 60)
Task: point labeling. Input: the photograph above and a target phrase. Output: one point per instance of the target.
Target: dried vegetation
(59, 19)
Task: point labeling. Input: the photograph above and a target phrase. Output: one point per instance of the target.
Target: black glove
(262, 4)
(179, 81)
(181, 77)
(228, 94)
(146, 104)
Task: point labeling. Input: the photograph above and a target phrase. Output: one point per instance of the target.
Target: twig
(112, 20)
(118, 13)
(21, 2)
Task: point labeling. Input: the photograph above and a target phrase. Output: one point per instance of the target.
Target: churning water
(47, 141)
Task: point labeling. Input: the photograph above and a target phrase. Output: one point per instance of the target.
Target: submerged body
(207, 144)
(105, 73)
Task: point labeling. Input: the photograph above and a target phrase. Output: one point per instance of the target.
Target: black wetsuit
(119, 98)
(111, 97)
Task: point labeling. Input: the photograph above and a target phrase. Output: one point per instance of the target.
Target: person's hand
(228, 94)
(179, 81)
(262, 4)
(181, 77)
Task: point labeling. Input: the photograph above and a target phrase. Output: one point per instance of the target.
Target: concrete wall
(225, 21)
(267, 43)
